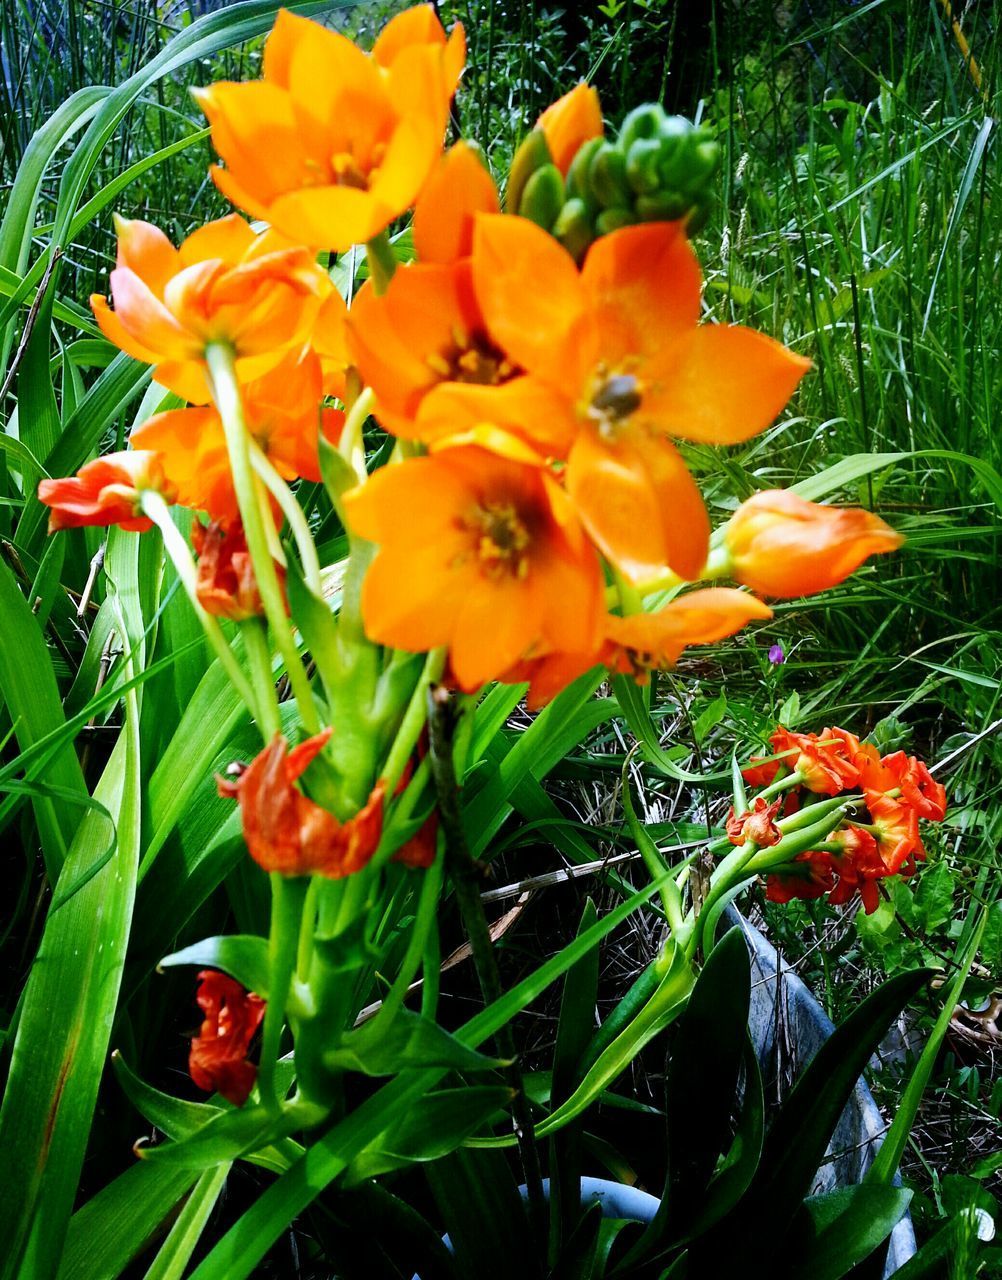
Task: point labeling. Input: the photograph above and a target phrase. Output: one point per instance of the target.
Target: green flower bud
(531, 155)
(543, 196)
(643, 122)
(578, 186)
(612, 219)
(573, 228)
(665, 206)
(607, 176)
(642, 166)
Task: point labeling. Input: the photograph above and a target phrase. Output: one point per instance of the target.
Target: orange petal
(570, 122)
(495, 625)
(459, 187)
(147, 319)
(332, 217)
(700, 617)
(144, 249)
(639, 504)
(116, 332)
(525, 406)
(529, 290)
(723, 384)
(226, 238)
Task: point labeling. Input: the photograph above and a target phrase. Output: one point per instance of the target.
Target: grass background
(859, 220)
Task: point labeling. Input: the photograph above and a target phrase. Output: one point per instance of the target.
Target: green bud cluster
(659, 169)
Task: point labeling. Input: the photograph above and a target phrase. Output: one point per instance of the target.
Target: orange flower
(896, 830)
(859, 866)
(332, 144)
(283, 414)
(459, 187)
(642, 642)
(106, 491)
(619, 345)
(224, 283)
(218, 1058)
(285, 831)
(781, 545)
(757, 824)
(820, 762)
(570, 122)
(922, 792)
(226, 585)
(809, 876)
(479, 551)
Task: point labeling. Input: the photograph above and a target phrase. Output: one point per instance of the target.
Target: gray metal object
(788, 1027)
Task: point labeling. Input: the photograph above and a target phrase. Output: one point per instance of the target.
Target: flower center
(346, 172)
(502, 540)
(615, 397)
(473, 358)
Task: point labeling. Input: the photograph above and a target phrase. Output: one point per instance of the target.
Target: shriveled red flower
(224, 283)
(820, 761)
(808, 877)
(782, 545)
(286, 831)
(757, 824)
(106, 491)
(218, 1057)
(859, 866)
(226, 585)
(922, 792)
(332, 144)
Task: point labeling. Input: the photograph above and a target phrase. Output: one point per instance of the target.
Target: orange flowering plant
(500, 426)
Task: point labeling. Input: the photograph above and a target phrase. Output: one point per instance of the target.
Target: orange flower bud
(106, 491)
(570, 122)
(333, 144)
(781, 545)
(218, 1058)
(225, 283)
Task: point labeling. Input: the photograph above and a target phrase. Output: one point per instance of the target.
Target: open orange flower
(218, 1057)
(106, 491)
(781, 545)
(569, 123)
(287, 832)
(807, 877)
(820, 760)
(333, 144)
(479, 551)
(618, 342)
(459, 187)
(283, 414)
(259, 293)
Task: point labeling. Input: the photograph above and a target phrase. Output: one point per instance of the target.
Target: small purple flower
(776, 655)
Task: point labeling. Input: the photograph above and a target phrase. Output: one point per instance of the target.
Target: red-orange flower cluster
(897, 790)
(218, 1057)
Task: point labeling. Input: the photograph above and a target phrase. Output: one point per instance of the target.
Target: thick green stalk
(184, 565)
(226, 394)
(255, 634)
(288, 896)
(293, 513)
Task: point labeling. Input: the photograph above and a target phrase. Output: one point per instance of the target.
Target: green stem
(254, 632)
(293, 513)
(466, 879)
(382, 262)
(184, 565)
(351, 446)
(424, 922)
(288, 896)
(226, 394)
(415, 718)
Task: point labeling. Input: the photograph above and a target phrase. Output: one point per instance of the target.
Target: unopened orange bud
(570, 122)
(781, 545)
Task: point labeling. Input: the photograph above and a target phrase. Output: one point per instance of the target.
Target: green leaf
(438, 1124)
(409, 1041)
(242, 956)
(175, 1253)
(71, 995)
(483, 1213)
(173, 1116)
(841, 1228)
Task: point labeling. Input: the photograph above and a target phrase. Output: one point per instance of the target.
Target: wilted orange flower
(859, 866)
(259, 293)
(642, 642)
(569, 123)
(809, 876)
(902, 777)
(620, 345)
(820, 761)
(781, 545)
(225, 585)
(479, 551)
(218, 1058)
(284, 416)
(287, 832)
(757, 824)
(106, 491)
(333, 144)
